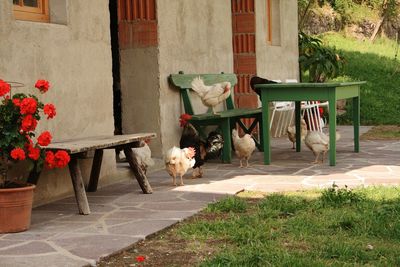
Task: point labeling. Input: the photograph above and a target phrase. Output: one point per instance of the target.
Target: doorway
(113, 6)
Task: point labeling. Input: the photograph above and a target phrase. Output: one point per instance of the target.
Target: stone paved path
(122, 215)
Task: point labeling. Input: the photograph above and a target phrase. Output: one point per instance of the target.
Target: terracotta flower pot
(16, 208)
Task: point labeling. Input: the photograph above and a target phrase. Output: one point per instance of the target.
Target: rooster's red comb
(184, 118)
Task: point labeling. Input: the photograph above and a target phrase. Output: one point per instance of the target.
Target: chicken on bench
(77, 148)
(227, 119)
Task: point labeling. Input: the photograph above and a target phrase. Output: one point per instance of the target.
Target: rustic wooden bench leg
(95, 172)
(79, 187)
(137, 171)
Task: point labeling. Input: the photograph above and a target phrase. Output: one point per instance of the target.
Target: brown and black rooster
(190, 138)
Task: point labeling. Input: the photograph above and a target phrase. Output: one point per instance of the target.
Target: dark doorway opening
(113, 6)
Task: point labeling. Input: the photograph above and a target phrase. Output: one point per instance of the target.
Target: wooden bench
(78, 148)
(227, 119)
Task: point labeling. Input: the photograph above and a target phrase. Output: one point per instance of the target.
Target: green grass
(335, 227)
(376, 64)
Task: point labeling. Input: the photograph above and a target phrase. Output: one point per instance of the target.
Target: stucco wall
(76, 59)
(277, 61)
(195, 37)
(140, 93)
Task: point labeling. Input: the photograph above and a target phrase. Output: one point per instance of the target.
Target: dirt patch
(166, 248)
(383, 132)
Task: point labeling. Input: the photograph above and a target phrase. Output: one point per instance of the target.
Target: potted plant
(20, 151)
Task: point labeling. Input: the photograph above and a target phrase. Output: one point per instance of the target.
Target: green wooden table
(310, 91)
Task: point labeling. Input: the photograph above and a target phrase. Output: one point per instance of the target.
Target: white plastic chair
(310, 111)
(283, 112)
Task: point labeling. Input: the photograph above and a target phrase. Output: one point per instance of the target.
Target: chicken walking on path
(244, 147)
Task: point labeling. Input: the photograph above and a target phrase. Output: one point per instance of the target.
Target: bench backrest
(183, 82)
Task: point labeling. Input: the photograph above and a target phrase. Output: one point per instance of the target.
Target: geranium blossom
(49, 159)
(49, 110)
(61, 159)
(17, 154)
(4, 88)
(28, 106)
(44, 138)
(33, 152)
(42, 85)
(28, 123)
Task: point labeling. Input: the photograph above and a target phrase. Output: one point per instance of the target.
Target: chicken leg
(247, 163)
(316, 158)
(174, 180)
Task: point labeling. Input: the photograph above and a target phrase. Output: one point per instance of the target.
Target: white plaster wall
(195, 37)
(278, 61)
(76, 59)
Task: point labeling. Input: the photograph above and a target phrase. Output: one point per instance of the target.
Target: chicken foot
(197, 173)
(316, 158)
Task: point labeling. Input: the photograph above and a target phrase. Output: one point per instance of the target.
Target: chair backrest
(184, 83)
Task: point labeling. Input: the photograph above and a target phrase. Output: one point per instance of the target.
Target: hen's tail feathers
(235, 134)
(338, 136)
(198, 86)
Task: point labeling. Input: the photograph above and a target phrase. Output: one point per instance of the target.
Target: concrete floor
(122, 215)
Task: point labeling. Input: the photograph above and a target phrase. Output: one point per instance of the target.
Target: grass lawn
(382, 132)
(375, 63)
(334, 227)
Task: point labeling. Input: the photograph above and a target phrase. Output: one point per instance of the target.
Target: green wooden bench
(227, 119)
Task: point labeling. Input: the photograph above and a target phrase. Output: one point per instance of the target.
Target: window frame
(38, 14)
(269, 22)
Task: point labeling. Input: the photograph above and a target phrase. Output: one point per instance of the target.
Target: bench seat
(78, 148)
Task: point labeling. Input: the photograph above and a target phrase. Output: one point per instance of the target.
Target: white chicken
(318, 143)
(143, 155)
(211, 95)
(291, 131)
(178, 161)
(244, 147)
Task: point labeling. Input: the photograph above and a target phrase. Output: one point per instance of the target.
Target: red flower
(17, 102)
(4, 88)
(28, 106)
(140, 258)
(49, 110)
(44, 139)
(33, 152)
(61, 159)
(18, 154)
(28, 123)
(49, 159)
(42, 85)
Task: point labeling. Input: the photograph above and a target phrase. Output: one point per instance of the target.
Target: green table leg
(356, 123)
(332, 132)
(265, 128)
(226, 133)
(297, 121)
